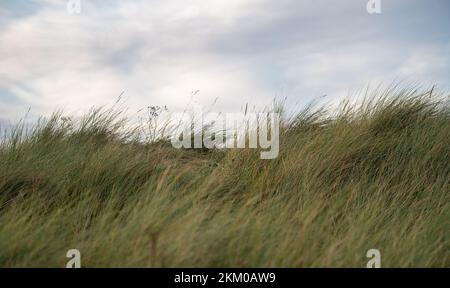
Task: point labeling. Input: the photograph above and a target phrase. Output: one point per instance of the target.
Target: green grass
(372, 175)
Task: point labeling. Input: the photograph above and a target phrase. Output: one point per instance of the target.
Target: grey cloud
(239, 51)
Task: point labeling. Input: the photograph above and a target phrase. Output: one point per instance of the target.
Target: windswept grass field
(369, 175)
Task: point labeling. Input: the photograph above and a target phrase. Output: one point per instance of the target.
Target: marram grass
(373, 175)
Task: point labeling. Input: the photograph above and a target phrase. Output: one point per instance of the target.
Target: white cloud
(239, 51)
(426, 62)
(52, 59)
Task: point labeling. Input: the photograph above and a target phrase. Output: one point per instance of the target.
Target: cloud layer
(236, 51)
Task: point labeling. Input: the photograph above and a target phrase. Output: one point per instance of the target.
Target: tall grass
(369, 175)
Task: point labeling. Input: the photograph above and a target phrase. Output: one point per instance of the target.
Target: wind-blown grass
(375, 175)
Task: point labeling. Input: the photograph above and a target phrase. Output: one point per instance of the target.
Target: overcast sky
(238, 51)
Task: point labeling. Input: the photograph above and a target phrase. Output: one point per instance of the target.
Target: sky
(157, 52)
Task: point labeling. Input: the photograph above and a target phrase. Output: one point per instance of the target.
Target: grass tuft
(370, 175)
